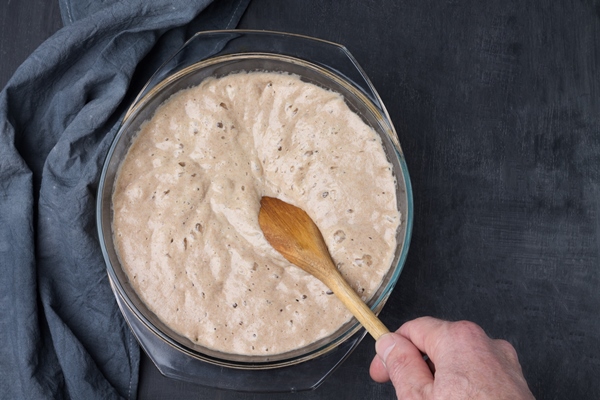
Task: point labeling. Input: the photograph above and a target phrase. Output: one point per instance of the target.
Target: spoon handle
(357, 307)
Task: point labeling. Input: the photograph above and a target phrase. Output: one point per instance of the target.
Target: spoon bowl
(294, 234)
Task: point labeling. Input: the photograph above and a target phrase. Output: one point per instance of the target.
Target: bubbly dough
(186, 205)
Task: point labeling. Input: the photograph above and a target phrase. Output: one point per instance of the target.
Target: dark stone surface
(496, 107)
(24, 25)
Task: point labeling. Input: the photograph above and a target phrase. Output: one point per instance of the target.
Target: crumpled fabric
(62, 335)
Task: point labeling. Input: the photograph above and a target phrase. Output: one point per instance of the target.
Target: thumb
(406, 368)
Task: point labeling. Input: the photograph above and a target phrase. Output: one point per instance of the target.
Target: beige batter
(186, 208)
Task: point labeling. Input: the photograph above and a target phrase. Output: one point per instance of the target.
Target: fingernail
(385, 345)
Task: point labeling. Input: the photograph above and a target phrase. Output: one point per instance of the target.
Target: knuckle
(467, 330)
(507, 350)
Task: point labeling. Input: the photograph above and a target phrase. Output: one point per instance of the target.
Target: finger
(425, 333)
(378, 371)
(405, 366)
(436, 337)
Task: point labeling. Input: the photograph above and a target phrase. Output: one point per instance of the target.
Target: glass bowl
(219, 53)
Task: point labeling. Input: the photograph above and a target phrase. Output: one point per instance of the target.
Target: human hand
(467, 363)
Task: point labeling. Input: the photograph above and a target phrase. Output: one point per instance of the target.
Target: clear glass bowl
(219, 53)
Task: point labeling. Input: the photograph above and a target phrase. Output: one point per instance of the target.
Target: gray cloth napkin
(61, 333)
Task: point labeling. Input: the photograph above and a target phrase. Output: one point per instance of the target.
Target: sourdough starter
(186, 205)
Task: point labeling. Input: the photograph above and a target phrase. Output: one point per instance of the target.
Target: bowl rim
(253, 362)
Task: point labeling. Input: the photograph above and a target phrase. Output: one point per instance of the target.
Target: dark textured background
(496, 106)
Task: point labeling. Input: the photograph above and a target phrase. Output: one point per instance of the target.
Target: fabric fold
(63, 335)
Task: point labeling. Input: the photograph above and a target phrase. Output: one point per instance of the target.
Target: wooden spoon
(294, 234)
